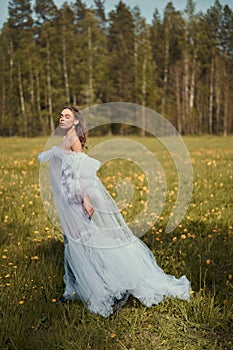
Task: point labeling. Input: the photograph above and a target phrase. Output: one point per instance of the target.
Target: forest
(180, 65)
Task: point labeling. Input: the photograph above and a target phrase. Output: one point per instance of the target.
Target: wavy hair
(80, 128)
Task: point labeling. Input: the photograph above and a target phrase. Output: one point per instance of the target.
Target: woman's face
(67, 119)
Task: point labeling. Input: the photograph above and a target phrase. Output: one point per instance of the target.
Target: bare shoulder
(76, 146)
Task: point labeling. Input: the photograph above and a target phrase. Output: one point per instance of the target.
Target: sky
(147, 7)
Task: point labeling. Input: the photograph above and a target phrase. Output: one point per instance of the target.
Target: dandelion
(208, 261)
(174, 239)
(183, 236)
(230, 277)
(113, 335)
(4, 257)
(35, 257)
(21, 302)
(54, 300)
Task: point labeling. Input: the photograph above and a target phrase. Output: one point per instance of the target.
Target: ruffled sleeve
(47, 155)
(79, 173)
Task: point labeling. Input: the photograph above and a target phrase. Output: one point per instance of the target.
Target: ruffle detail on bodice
(78, 170)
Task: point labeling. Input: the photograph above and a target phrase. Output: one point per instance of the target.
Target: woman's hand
(88, 208)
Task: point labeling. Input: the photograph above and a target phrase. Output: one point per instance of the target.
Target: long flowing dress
(104, 261)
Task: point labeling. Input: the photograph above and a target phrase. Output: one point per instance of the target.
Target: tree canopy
(180, 65)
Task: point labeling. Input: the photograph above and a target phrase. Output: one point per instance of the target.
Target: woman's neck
(71, 132)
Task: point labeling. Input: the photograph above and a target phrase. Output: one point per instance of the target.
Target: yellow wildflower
(35, 257)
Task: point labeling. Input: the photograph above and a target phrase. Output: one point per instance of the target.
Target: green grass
(31, 253)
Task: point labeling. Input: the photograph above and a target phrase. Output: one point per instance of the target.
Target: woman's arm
(88, 208)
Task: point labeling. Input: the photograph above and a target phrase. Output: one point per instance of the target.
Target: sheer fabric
(103, 260)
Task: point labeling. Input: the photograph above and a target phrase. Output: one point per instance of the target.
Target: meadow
(201, 247)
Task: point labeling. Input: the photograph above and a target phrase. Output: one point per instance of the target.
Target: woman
(104, 261)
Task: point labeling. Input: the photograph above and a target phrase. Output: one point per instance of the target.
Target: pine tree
(20, 24)
(100, 13)
(46, 11)
(49, 72)
(121, 54)
(213, 19)
(157, 36)
(173, 25)
(227, 53)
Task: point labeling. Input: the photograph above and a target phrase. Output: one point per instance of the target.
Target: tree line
(180, 65)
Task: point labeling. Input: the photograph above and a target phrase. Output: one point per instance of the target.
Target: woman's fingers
(89, 210)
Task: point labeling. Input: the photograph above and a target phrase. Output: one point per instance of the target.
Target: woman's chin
(64, 127)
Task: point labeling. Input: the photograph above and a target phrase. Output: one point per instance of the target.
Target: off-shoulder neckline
(70, 151)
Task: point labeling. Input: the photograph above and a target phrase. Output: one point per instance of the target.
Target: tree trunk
(31, 88)
(144, 66)
(50, 105)
(211, 98)
(218, 93)
(226, 100)
(74, 99)
(178, 100)
(186, 94)
(10, 51)
(22, 102)
(10, 110)
(192, 95)
(165, 73)
(64, 63)
(3, 112)
(90, 87)
(32, 124)
(136, 67)
(38, 104)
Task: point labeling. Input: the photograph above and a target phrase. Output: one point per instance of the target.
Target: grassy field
(201, 247)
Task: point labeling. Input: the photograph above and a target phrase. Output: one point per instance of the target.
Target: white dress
(104, 261)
